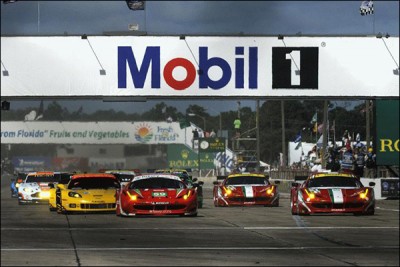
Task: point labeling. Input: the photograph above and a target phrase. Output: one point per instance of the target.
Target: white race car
(35, 188)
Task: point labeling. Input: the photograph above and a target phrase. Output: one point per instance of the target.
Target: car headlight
(227, 191)
(310, 195)
(74, 194)
(187, 195)
(132, 197)
(364, 195)
(45, 194)
(270, 190)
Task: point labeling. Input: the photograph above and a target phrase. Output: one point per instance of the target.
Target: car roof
(156, 175)
(330, 174)
(260, 175)
(44, 173)
(121, 171)
(93, 175)
(171, 170)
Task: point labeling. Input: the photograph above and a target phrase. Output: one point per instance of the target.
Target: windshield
(243, 180)
(184, 177)
(156, 183)
(122, 177)
(334, 181)
(93, 183)
(42, 179)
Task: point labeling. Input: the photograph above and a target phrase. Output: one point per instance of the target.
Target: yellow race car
(88, 192)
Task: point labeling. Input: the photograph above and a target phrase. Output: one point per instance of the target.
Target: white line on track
(386, 209)
(198, 248)
(199, 228)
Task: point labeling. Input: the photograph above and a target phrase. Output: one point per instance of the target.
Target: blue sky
(195, 18)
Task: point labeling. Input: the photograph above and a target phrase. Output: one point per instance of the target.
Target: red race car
(157, 194)
(245, 189)
(332, 193)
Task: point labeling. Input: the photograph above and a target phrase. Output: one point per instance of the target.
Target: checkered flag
(366, 8)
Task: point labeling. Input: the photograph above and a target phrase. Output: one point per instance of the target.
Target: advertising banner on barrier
(179, 156)
(54, 132)
(387, 132)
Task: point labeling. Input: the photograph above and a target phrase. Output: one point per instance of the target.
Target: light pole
(204, 119)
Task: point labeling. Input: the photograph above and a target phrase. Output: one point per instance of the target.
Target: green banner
(180, 156)
(184, 123)
(211, 145)
(387, 132)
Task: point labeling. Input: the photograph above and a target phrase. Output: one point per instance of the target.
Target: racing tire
(52, 209)
(276, 204)
(60, 209)
(294, 211)
(369, 212)
(216, 202)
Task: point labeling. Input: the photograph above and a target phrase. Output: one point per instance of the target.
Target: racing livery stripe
(336, 195)
(248, 191)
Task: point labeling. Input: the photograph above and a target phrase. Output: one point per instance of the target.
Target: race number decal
(295, 68)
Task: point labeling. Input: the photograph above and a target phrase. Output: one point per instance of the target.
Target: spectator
(370, 163)
(213, 134)
(195, 136)
(359, 158)
(347, 163)
(237, 123)
(195, 133)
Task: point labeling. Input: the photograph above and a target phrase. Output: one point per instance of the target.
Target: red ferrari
(157, 194)
(245, 189)
(332, 193)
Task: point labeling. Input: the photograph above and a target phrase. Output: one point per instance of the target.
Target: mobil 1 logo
(295, 68)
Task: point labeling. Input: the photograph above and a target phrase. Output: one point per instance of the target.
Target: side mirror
(194, 179)
(371, 183)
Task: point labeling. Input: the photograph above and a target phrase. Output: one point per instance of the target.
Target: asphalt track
(31, 235)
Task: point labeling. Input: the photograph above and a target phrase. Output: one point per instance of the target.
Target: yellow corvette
(88, 192)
